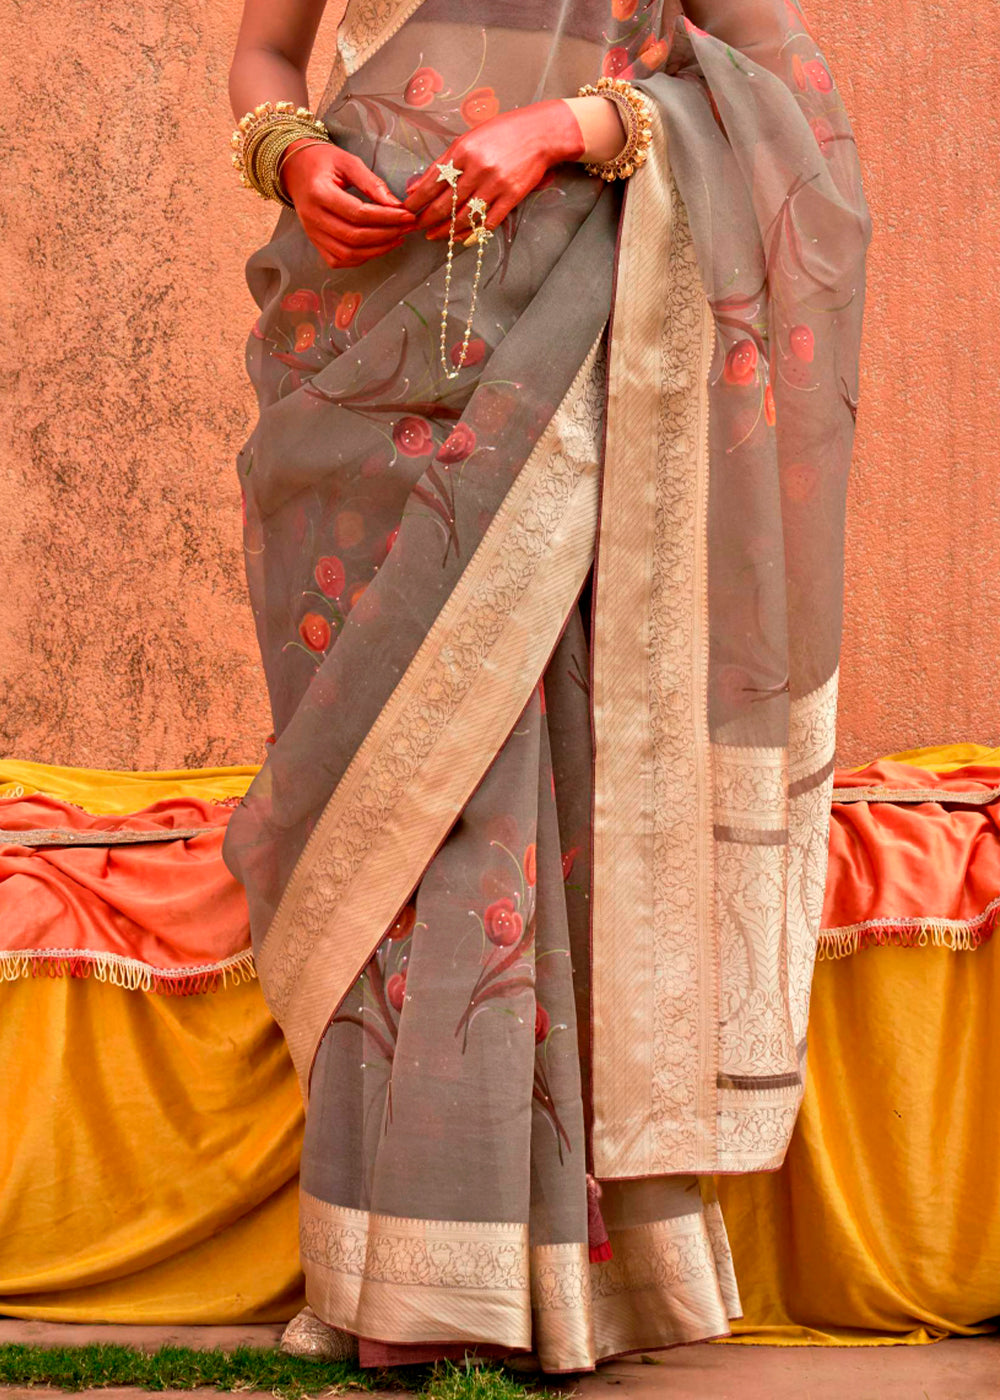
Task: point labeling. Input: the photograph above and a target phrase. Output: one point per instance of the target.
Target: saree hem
(407, 1282)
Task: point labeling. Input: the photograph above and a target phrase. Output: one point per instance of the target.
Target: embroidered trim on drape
(130, 973)
(400, 1280)
(957, 935)
(653, 996)
(68, 836)
(407, 1280)
(366, 26)
(770, 900)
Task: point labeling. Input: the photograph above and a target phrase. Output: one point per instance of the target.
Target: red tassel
(597, 1234)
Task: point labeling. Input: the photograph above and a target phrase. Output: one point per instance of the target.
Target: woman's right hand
(345, 230)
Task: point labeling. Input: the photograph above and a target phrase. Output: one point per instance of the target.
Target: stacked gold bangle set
(265, 134)
(262, 139)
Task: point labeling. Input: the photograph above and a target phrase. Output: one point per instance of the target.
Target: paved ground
(81, 1334)
(959, 1369)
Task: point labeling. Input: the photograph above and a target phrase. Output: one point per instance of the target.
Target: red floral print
(305, 299)
(802, 342)
(819, 75)
(770, 412)
(473, 355)
(624, 9)
(329, 574)
(390, 539)
(480, 105)
(568, 861)
(799, 73)
(459, 444)
(354, 597)
(403, 926)
(305, 334)
(531, 864)
(542, 1024)
(653, 52)
(422, 87)
(395, 990)
(616, 64)
(315, 632)
(256, 331)
(741, 363)
(413, 436)
(347, 309)
(503, 923)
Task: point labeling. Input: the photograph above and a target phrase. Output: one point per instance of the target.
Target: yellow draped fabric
(947, 757)
(105, 792)
(885, 1218)
(150, 1148)
(148, 1158)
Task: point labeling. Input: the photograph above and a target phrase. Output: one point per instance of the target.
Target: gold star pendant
(449, 173)
(477, 205)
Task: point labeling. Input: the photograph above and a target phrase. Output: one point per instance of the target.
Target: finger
(439, 208)
(500, 207)
(491, 195)
(429, 186)
(440, 231)
(363, 178)
(353, 235)
(352, 210)
(339, 254)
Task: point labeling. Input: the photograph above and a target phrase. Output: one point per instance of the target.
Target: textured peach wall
(125, 637)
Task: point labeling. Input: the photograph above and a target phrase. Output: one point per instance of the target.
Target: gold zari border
(654, 994)
(415, 1281)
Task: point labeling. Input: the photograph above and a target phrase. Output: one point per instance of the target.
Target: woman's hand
(501, 161)
(346, 231)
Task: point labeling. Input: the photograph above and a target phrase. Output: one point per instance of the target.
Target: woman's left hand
(501, 161)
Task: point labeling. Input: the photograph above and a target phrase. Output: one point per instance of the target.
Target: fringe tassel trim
(129, 973)
(957, 935)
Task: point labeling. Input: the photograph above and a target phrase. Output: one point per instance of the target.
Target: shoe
(308, 1335)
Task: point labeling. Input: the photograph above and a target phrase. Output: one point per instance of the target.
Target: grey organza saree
(536, 859)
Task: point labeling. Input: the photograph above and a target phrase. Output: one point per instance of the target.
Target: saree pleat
(535, 862)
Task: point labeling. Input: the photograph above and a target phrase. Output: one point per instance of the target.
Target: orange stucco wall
(125, 638)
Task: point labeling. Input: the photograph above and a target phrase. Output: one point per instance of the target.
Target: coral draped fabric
(138, 897)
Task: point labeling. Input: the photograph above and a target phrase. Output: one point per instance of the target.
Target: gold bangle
(261, 138)
(637, 118)
(279, 173)
(265, 156)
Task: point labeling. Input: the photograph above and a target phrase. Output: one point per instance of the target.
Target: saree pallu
(535, 863)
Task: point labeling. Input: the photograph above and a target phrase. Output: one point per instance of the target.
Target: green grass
(246, 1368)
